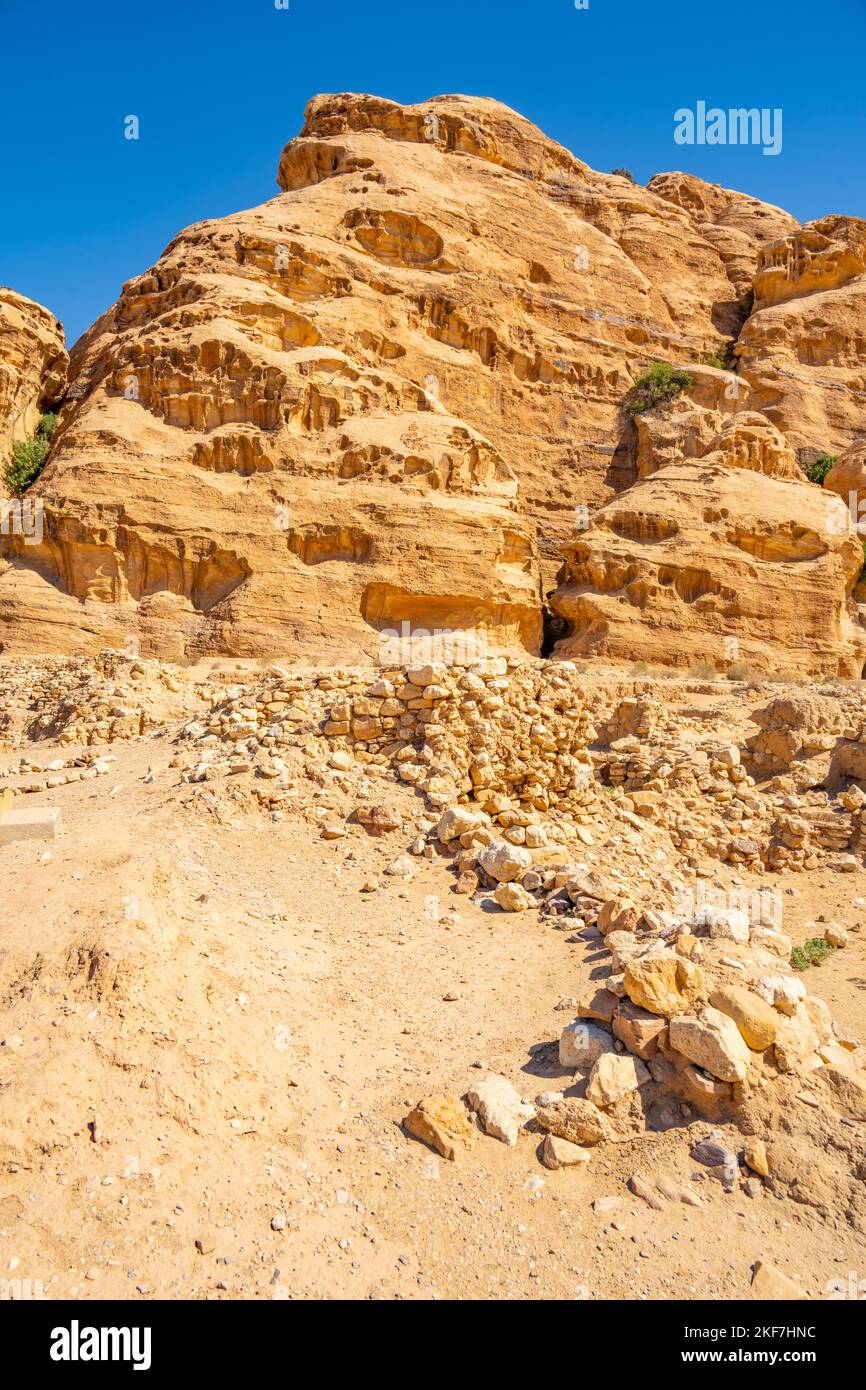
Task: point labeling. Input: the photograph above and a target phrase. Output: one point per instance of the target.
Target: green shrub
(721, 356)
(625, 174)
(28, 456)
(816, 472)
(812, 952)
(661, 383)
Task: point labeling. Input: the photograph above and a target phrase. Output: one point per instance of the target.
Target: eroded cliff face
(803, 349)
(33, 366)
(707, 564)
(379, 398)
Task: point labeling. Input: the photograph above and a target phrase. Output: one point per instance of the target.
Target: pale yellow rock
(613, 1077)
(561, 1153)
(757, 1158)
(664, 984)
(770, 1284)
(341, 412)
(757, 1020)
(697, 553)
(33, 364)
(513, 898)
(574, 1119)
(801, 350)
(441, 1122)
(712, 1041)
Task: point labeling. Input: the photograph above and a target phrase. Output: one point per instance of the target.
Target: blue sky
(219, 86)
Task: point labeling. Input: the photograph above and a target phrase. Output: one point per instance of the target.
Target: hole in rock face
(555, 628)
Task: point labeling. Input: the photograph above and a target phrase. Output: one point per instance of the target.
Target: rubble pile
(87, 701)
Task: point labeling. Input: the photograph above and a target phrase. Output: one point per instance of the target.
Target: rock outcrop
(847, 478)
(803, 351)
(389, 399)
(706, 564)
(738, 226)
(33, 366)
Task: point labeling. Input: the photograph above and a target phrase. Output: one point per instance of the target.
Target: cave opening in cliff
(555, 628)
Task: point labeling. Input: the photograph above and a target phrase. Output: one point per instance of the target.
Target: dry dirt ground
(211, 1033)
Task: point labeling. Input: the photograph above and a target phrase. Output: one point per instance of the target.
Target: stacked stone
(790, 847)
(60, 772)
(89, 700)
(706, 1008)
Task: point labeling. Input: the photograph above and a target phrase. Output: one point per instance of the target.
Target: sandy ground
(211, 1034)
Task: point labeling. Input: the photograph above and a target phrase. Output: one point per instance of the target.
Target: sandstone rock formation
(737, 225)
(847, 478)
(703, 563)
(802, 350)
(388, 400)
(33, 366)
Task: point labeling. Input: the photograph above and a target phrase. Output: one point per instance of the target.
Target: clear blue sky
(220, 85)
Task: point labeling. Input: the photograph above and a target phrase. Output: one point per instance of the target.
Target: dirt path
(220, 1035)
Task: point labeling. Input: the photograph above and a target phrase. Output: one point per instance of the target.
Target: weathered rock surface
(578, 1121)
(441, 1122)
(757, 1021)
(712, 1041)
(698, 557)
(664, 984)
(377, 400)
(582, 1043)
(802, 350)
(561, 1153)
(613, 1077)
(33, 365)
(499, 1108)
(738, 225)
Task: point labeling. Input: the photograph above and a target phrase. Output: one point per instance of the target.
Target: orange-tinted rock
(700, 563)
(33, 365)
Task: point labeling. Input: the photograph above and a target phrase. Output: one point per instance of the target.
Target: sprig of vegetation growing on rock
(625, 174)
(812, 952)
(721, 356)
(29, 455)
(816, 472)
(661, 383)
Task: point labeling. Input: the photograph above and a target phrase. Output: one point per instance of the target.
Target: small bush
(721, 356)
(742, 671)
(28, 457)
(812, 952)
(703, 671)
(661, 383)
(625, 174)
(816, 472)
